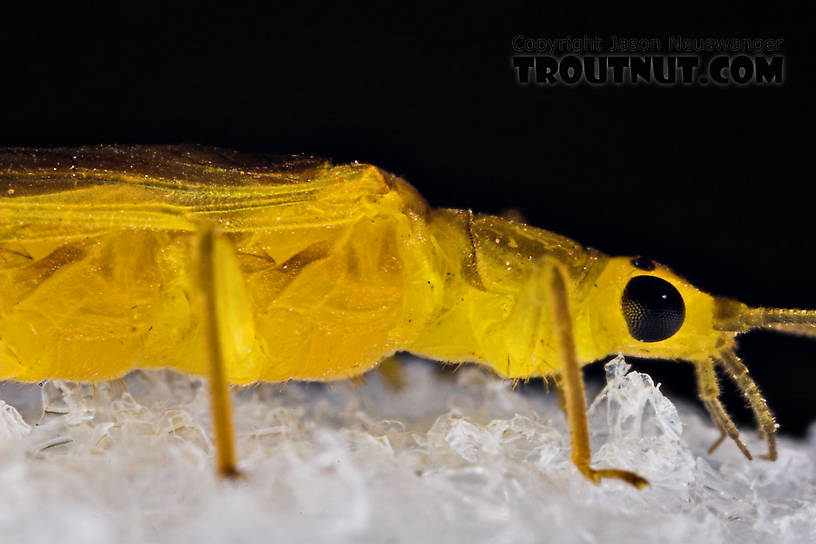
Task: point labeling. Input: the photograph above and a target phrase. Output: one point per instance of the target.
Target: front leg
(572, 384)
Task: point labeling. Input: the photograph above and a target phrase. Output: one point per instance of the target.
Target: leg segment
(559, 392)
(391, 373)
(737, 371)
(709, 391)
(573, 388)
(221, 404)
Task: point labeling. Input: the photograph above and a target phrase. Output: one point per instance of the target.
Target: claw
(613, 473)
(716, 443)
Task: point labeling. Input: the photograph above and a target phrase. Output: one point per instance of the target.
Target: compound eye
(653, 308)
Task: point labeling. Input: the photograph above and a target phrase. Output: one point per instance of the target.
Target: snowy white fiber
(446, 459)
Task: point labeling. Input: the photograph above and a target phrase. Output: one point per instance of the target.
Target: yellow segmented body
(312, 271)
(341, 266)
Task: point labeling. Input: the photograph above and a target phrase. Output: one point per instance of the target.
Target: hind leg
(210, 246)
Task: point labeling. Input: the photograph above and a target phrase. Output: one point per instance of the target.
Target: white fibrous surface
(456, 457)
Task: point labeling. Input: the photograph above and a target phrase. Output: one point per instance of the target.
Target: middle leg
(572, 384)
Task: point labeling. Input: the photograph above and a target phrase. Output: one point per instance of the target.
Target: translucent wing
(65, 193)
(33, 171)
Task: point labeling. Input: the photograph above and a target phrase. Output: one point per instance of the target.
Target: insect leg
(221, 403)
(738, 372)
(391, 372)
(709, 391)
(573, 387)
(558, 380)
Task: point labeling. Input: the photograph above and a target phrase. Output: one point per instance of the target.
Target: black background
(715, 182)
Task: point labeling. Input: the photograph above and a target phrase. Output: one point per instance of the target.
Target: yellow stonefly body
(319, 272)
